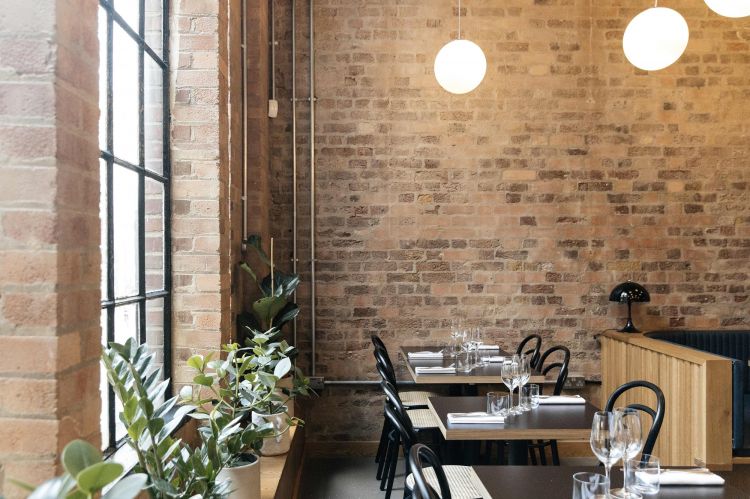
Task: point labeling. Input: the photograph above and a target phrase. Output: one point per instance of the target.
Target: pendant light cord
(459, 19)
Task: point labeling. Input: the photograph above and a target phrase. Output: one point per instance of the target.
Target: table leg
(470, 390)
(518, 454)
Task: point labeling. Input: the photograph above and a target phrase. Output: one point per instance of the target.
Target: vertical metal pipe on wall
(294, 154)
(312, 182)
(244, 121)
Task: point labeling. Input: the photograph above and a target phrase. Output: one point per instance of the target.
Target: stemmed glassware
(604, 441)
(511, 375)
(629, 438)
(525, 371)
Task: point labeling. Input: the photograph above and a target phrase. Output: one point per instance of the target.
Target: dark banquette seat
(734, 345)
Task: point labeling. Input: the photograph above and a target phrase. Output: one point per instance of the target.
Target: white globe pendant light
(460, 65)
(655, 38)
(730, 8)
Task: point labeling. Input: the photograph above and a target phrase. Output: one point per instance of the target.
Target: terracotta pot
(275, 446)
(245, 479)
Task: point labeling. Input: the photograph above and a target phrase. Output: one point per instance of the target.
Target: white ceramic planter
(245, 480)
(275, 446)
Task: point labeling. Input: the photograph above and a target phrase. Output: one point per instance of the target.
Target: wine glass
(525, 371)
(603, 441)
(506, 374)
(629, 437)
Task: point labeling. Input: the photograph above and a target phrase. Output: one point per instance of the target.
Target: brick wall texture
(520, 205)
(49, 234)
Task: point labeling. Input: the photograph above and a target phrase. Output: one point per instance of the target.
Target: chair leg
(555, 454)
(381, 445)
(532, 454)
(385, 462)
(392, 471)
(543, 452)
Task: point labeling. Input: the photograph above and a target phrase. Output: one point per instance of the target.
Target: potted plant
(85, 476)
(219, 392)
(174, 469)
(270, 363)
(273, 309)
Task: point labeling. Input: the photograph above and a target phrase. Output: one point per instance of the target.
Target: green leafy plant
(273, 309)
(85, 476)
(174, 469)
(271, 360)
(219, 391)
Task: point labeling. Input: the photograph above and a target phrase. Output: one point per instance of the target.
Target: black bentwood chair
(428, 474)
(533, 352)
(545, 368)
(404, 428)
(657, 416)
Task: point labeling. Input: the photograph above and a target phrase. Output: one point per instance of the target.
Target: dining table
(546, 422)
(556, 482)
(486, 374)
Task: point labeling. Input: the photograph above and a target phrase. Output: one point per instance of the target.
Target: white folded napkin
(488, 347)
(474, 418)
(435, 370)
(689, 477)
(426, 355)
(561, 399)
(495, 358)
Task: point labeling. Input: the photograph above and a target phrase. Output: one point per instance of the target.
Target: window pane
(103, 51)
(126, 326)
(129, 10)
(154, 22)
(154, 206)
(103, 388)
(103, 218)
(153, 114)
(125, 224)
(125, 96)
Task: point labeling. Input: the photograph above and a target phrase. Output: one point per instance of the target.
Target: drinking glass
(511, 376)
(464, 362)
(525, 371)
(506, 375)
(645, 474)
(629, 437)
(534, 394)
(603, 441)
(590, 485)
(497, 403)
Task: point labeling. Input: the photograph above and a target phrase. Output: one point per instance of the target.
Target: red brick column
(49, 234)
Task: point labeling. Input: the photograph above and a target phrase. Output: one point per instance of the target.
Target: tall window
(134, 164)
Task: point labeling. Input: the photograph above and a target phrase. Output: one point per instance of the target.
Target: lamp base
(629, 327)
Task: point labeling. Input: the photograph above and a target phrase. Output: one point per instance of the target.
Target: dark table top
(561, 422)
(556, 482)
(489, 374)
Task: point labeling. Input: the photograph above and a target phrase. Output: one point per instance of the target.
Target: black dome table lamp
(629, 292)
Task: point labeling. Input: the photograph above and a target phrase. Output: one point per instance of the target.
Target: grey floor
(346, 478)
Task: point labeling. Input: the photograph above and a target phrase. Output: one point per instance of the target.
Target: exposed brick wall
(521, 204)
(49, 234)
(201, 179)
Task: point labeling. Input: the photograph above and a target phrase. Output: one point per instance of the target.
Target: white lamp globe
(655, 38)
(730, 8)
(460, 66)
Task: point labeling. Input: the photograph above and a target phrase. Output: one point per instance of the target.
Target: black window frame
(109, 300)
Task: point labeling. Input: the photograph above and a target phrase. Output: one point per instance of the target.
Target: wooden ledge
(279, 474)
(682, 352)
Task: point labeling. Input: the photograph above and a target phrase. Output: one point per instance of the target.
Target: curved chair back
(421, 456)
(384, 366)
(657, 416)
(393, 397)
(402, 424)
(562, 374)
(377, 342)
(533, 352)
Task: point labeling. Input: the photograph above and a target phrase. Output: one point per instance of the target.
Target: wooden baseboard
(741, 460)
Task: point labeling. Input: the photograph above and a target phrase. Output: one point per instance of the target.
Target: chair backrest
(402, 424)
(421, 456)
(384, 366)
(533, 352)
(562, 374)
(391, 394)
(377, 342)
(657, 416)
